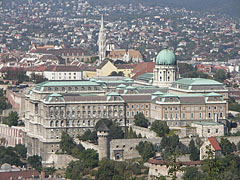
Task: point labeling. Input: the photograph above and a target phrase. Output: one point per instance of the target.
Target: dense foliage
(11, 156)
(4, 104)
(160, 127)
(35, 161)
(227, 147)
(194, 151)
(140, 120)
(67, 144)
(13, 119)
(115, 131)
(18, 74)
(146, 150)
(112, 170)
(171, 145)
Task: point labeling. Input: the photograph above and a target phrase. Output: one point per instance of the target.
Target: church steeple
(102, 42)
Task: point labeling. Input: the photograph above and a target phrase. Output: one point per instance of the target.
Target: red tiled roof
(144, 67)
(62, 68)
(14, 175)
(214, 143)
(37, 68)
(125, 66)
(161, 162)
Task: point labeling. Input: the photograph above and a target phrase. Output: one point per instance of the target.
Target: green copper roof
(197, 81)
(166, 57)
(113, 94)
(213, 94)
(145, 76)
(121, 86)
(207, 123)
(128, 79)
(130, 88)
(67, 83)
(55, 95)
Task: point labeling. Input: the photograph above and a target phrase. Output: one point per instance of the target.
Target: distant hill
(231, 7)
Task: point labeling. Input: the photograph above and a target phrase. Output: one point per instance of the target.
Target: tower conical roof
(103, 127)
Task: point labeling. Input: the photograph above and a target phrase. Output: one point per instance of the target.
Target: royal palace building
(52, 107)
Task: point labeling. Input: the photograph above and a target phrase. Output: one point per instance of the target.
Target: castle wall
(88, 145)
(126, 148)
(145, 132)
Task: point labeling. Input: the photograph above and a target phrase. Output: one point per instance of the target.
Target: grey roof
(103, 127)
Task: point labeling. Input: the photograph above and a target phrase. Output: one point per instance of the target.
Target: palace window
(209, 115)
(200, 115)
(221, 115)
(183, 115)
(165, 116)
(192, 115)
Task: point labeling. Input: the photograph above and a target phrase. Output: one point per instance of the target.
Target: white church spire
(102, 41)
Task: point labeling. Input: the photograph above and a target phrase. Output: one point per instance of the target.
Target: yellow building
(89, 72)
(106, 68)
(125, 68)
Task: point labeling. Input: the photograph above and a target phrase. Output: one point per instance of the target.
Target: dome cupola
(166, 57)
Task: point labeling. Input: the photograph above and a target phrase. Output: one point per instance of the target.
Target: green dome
(166, 57)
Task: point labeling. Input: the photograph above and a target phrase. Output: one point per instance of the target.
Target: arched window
(73, 124)
(61, 123)
(118, 156)
(56, 123)
(51, 123)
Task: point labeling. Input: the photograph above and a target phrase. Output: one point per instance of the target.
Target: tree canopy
(67, 143)
(13, 119)
(160, 127)
(35, 161)
(194, 152)
(146, 150)
(140, 120)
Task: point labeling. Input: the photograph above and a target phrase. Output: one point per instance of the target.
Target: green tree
(35, 161)
(146, 150)
(227, 147)
(66, 143)
(140, 120)
(76, 170)
(220, 75)
(194, 152)
(13, 119)
(238, 146)
(89, 157)
(106, 170)
(160, 127)
(21, 150)
(192, 173)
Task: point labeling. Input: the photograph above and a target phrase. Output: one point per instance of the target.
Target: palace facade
(52, 107)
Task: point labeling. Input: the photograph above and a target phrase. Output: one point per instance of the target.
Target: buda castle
(52, 107)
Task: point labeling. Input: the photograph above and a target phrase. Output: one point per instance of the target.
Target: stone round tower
(103, 141)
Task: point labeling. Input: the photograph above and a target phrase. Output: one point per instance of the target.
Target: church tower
(102, 42)
(165, 71)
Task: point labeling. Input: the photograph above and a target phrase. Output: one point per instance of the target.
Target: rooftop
(67, 83)
(207, 123)
(197, 81)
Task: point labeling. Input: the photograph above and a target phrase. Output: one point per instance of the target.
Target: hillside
(231, 7)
